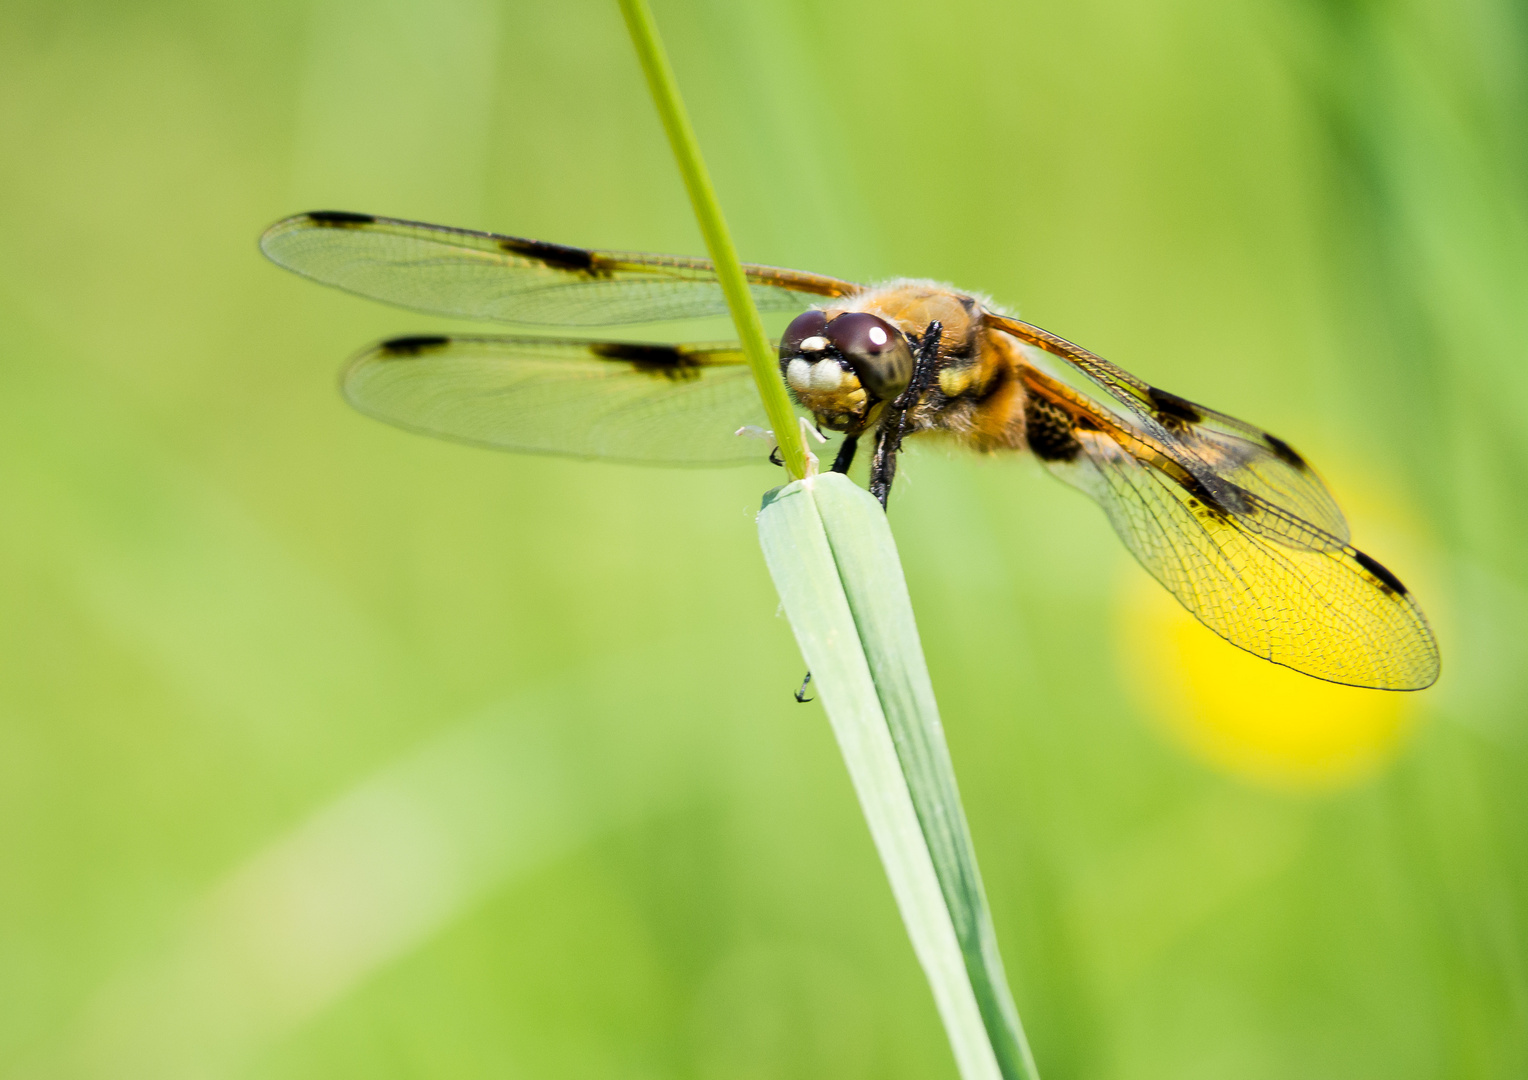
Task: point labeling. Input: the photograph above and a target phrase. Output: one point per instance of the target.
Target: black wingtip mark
(340, 219)
(1388, 580)
(412, 346)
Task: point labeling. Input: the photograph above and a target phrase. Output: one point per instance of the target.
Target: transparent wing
(1281, 487)
(1257, 476)
(650, 404)
(1322, 607)
(477, 275)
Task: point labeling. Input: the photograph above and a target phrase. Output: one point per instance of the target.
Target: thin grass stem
(729, 271)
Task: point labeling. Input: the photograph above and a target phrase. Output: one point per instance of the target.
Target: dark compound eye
(875, 349)
(862, 334)
(808, 324)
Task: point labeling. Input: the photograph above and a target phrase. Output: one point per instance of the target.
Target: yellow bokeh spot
(1244, 715)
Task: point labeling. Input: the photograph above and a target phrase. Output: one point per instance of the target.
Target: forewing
(1334, 613)
(1257, 476)
(650, 404)
(477, 275)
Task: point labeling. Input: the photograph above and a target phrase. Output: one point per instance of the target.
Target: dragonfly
(1230, 519)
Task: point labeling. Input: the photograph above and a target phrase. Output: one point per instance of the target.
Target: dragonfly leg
(845, 456)
(883, 462)
(801, 698)
(888, 437)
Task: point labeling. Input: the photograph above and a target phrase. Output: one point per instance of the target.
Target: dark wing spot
(1198, 491)
(412, 346)
(641, 354)
(557, 256)
(1285, 452)
(340, 219)
(1048, 428)
(1389, 581)
(1174, 407)
(651, 359)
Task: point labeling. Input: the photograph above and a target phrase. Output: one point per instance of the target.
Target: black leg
(888, 437)
(883, 462)
(845, 456)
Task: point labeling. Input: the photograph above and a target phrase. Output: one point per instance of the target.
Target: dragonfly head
(840, 368)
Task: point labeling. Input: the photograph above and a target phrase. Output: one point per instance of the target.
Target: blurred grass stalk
(833, 560)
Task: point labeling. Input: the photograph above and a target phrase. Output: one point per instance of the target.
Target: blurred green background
(331, 751)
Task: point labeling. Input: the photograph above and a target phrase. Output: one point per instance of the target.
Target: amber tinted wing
(1259, 477)
(1321, 607)
(650, 404)
(477, 275)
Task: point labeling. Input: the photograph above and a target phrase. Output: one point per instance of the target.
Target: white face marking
(877, 336)
(827, 375)
(816, 343)
(798, 373)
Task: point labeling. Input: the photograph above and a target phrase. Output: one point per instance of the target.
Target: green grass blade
(833, 560)
(708, 213)
(856, 630)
